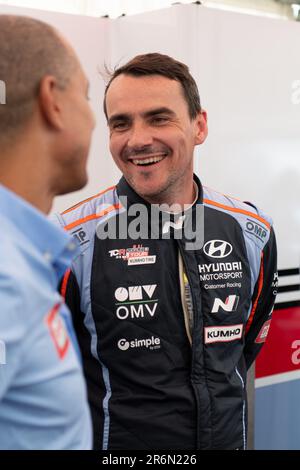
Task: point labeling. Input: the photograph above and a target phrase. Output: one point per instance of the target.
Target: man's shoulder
(255, 223)
(88, 212)
(11, 242)
(21, 289)
(230, 204)
(14, 295)
(17, 251)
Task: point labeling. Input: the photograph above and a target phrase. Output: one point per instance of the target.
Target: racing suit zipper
(191, 324)
(186, 299)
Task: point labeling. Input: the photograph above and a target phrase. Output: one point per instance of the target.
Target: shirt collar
(52, 242)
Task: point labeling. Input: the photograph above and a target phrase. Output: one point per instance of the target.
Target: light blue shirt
(43, 403)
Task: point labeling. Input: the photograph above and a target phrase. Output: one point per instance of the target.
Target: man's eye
(159, 120)
(120, 125)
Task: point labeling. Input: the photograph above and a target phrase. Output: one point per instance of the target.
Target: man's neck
(24, 173)
(174, 202)
(179, 208)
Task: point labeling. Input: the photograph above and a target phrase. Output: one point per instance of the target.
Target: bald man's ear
(50, 102)
(201, 127)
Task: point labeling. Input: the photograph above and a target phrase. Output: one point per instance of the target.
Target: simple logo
(2, 353)
(217, 248)
(230, 304)
(256, 229)
(58, 331)
(123, 344)
(148, 343)
(2, 92)
(134, 256)
(175, 225)
(135, 302)
(80, 236)
(222, 334)
(262, 335)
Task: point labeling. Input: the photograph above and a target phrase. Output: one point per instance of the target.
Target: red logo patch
(58, 331)
(262, 336)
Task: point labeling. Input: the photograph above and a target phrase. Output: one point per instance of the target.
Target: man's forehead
(157, 90)
(152, 81)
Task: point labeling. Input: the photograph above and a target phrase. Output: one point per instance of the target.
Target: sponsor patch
(220, 271)
(217, 248)
(256, 229)
(135, 302)
(58, 331)
(230, 304)
(80, 236)
(222, 334)
(228, 285)
(142, 260)
(262, 336)
(148, 343)
(136, 255)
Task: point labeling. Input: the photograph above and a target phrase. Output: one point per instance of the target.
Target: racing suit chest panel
(143, 343)
(220, 314)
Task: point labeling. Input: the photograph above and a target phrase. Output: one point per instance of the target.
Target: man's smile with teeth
(149, 160)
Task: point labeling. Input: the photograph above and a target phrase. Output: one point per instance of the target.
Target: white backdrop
(244, 66)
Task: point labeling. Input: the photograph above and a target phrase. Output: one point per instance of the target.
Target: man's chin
(72, 186)
(154, 194)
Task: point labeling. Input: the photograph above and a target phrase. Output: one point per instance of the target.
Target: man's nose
(139, 136)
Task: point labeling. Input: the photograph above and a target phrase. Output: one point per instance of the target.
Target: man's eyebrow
(118, 117)
(149, 113)
(162, 110)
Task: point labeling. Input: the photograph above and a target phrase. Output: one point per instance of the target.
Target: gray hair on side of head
(29, 50)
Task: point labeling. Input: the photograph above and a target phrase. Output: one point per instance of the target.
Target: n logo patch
(230, 304)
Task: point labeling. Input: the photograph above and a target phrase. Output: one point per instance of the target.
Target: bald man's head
(29, 50)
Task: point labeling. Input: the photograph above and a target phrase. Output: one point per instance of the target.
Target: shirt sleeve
(12, 332)
(263, 300)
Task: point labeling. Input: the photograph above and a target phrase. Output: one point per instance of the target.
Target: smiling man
(167, 332)
(152, 137)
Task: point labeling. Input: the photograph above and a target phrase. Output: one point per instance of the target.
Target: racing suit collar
(124, 189)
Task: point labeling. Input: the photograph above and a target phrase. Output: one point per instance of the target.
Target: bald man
(45, 131)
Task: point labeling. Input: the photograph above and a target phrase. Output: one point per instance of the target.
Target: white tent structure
(247, 70)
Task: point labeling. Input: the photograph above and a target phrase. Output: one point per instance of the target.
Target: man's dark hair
(160, 64)
(29, 50)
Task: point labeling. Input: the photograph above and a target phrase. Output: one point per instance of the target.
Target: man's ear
(201, 127)
(50, 101)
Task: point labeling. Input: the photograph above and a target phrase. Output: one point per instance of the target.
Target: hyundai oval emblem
(217, 248)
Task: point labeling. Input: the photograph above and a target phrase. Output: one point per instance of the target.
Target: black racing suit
(167, 333)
